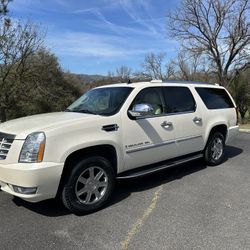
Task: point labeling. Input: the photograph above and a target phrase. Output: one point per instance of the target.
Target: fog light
(24, 190)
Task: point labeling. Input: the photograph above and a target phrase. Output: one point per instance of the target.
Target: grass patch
(245, 126)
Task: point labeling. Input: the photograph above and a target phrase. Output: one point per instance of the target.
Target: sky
(97, 36)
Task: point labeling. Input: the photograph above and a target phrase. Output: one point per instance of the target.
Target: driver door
(149, 138)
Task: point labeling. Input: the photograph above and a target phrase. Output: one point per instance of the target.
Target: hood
(21, 127)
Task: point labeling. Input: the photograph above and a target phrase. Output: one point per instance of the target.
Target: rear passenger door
(188, 124)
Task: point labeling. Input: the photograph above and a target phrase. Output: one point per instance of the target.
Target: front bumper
(45, 176)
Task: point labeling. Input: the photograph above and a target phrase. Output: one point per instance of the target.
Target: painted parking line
(139, 223)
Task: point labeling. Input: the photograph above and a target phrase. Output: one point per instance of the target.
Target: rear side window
(215, 98)
(178, 99)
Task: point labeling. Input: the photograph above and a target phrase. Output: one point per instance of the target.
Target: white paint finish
(149, 132)
(68, 132)
(185, 127)
(45, 176)
(21, 127)
(232, 133)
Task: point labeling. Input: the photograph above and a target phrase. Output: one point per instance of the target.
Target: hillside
(82, 79)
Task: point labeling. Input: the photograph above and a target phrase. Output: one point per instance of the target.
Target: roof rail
(187, 82)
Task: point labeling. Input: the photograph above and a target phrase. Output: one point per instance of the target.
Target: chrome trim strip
(162, 144)
(188, 138)
(150, 146)
(164, 114)
(7, 136)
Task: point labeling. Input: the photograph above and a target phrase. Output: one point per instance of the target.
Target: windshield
(101, 101)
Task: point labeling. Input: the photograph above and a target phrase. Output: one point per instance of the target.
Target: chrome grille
(6, 141)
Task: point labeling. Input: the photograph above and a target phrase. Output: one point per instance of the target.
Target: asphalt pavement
(191, 206)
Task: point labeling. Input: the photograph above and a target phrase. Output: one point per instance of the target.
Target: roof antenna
(129, 81)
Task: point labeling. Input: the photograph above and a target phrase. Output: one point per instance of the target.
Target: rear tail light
(237, 116)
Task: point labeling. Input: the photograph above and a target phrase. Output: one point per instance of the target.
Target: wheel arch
(105, 150)
(221, 127)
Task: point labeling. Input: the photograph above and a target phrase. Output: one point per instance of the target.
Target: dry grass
(245, 126)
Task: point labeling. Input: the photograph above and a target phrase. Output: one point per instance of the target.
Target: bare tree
(123, 73)
(4, 7)
(18, 42)
(190, 67)
(218, 29)
(153, 65)
(170, 71)
(183, 68)
(140, 76)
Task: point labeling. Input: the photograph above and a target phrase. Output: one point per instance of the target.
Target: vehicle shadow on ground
(50, 208)
(231, 152)
(124, 188)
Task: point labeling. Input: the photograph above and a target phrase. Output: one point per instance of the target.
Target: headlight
(33, 148)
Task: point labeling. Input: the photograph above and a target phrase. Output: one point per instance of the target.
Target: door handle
(197, 120)
(167, 124)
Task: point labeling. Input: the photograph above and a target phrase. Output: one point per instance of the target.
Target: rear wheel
(214, 151)
(89, 185)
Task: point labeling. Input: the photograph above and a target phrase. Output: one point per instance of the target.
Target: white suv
(115, 131)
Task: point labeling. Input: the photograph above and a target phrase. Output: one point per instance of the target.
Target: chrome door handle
(167, 124)
(197, 120)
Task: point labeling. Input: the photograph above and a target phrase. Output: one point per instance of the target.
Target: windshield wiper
(86, 111)
(81, 111)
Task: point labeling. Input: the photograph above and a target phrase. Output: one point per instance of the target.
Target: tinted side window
(215, 98)
(150, 96)
(178, 99)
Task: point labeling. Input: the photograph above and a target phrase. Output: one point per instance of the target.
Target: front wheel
(89, 185)
(214, 151)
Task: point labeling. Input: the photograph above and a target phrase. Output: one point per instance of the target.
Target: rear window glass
(215, 98)
(178, 99)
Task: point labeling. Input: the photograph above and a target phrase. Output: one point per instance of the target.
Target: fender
(120, 157)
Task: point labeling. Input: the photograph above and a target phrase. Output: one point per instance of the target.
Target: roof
(162, 83)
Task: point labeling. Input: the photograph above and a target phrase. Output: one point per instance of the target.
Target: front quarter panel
(61, 142)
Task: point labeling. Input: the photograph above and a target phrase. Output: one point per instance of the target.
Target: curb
(245, 130)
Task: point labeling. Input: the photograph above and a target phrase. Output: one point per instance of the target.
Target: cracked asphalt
(191, 206)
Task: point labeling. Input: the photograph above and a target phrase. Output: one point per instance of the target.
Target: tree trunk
(242, 111)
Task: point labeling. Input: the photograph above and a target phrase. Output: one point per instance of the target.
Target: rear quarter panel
(215, 117)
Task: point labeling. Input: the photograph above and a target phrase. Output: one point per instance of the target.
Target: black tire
(209, 155)
(70, 197)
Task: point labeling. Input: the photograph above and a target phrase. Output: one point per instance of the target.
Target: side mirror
(141, 110)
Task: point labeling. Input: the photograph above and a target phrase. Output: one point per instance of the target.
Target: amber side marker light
(41, 152)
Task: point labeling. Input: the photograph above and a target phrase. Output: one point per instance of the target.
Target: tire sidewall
(208, 152)
(69, 197)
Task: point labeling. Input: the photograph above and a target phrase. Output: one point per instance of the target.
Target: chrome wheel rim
(91, 185)
(217, 149)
